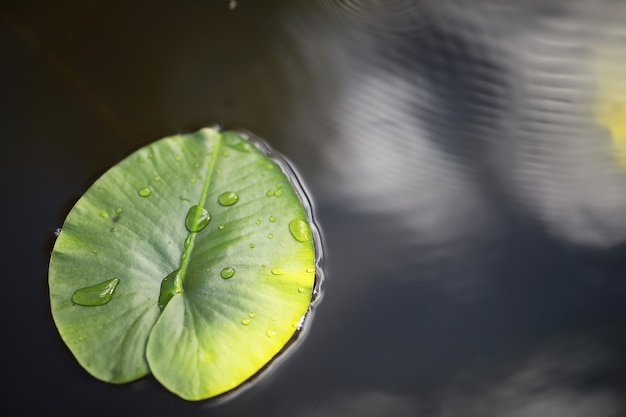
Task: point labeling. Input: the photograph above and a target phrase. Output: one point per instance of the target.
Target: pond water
(466, 161)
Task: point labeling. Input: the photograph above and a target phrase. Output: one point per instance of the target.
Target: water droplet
(271, 333)
(252, 314)
(279, 185)
(187, 241)
(179, 158)
(278, 271)
(228, 272)
(183, 198)
(245, 321)
(192, 179)
(171, 284)
(270, 235)
(270, 193)
(157, 178)
(278, 193)
(270, 166)
(300, 230)
(221, 227)
(144, 192)
(197, 218)
(96, 295)
(258, 221)
(118, 210)
(228, 198)
(251, 245)
(310, 270)
(272, 218)
(300, 290)
(232, 140)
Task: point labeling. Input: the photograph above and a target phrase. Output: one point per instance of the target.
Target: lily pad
(193, 259)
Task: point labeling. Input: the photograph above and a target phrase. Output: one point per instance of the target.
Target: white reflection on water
(483, 103)
(553, 382)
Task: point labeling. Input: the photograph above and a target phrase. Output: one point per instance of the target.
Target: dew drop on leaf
(300, 230)
(228, 272)
(96, 295)
(228, 198)
(278, 271)
(197, 218)
(271, 333)
(245, 321)
(144, 192)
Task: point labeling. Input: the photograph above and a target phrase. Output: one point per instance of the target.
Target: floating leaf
(168, 264)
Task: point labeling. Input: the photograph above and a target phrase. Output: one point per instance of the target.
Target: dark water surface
(466, 160)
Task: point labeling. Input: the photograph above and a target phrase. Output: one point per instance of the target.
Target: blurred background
(466, 160)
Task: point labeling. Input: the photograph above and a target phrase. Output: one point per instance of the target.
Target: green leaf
(193, 259)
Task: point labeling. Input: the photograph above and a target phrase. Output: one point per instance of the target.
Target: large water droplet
(197, 218)
(144, 192)
(228, 272)
(171, 284)
(228, 198)
(300, 230)
(96, 295)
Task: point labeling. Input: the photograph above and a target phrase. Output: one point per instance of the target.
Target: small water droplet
(251, 245)
(300, 230)
(183, 198)
(258, 221)
(228, 198)
(157, 178)
(272, 218)
(252, 314)
(103, 214)
(270, 235)
(245, 321)
(197, 218)
(118, 210)
(270, 166)
(279, 185)
(192, 179)
(179, 158)
(278, 193)
(271, 333)
(228, 272)
(221, 227)
(278, 271)
(187, 241)
(300, 290)
(270, 193)
(310, 270)
(144, 192)
(96, 295)
(171, 285)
